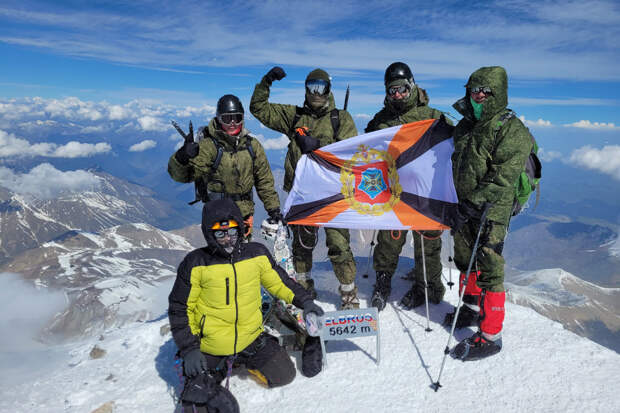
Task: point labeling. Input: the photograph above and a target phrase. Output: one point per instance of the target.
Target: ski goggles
(230, 118)
(484, 89)
(222, 233)
(317, 87)
(225, 224)
(402, 89)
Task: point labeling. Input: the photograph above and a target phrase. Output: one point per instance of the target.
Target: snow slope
(543, 367)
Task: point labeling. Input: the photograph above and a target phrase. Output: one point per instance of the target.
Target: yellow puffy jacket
(221, 302)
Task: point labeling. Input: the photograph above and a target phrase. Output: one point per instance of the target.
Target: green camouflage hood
(494, 77)
(417, 97)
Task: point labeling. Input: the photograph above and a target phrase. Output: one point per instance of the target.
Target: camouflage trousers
(390, 244)
(488, 260)
(338, 251)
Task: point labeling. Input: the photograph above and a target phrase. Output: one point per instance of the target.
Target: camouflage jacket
(280, 117)
(237, 172)
(487, 159)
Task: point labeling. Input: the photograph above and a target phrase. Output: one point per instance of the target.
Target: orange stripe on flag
(413, 219)
(324, 214)
(407, 136)
(330, 157)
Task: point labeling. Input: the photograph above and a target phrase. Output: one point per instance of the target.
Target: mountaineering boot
(467, 317)
(476, 347)
(488, 340)
(303, 279)
(470, 310)
(348, 294)
(382, 290)
(415, 296)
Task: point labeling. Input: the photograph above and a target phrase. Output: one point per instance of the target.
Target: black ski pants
(264, 358)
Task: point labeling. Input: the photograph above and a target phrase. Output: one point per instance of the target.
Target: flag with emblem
(394, 178)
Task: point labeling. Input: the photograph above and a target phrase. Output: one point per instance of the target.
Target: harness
(202, 193)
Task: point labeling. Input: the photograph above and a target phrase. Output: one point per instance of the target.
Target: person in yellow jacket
(215, 309)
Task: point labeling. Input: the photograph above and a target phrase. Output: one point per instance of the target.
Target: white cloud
(277, 143)
(586, 124)
(151, 123)
(548, 40)
(143, 146)
(75, 149)
(548, 156)
(10, 145)
(362, 116)
(117, 112)
(46, 182)
(535, 123)
(605, 160)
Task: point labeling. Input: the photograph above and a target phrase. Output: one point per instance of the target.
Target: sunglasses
(484, 89)
(221, 233)
(402, 89)
(228, 118)
(317, 87)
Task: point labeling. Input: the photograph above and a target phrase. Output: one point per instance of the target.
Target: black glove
(190, 148)
(458, 221)
(311, 307)
(274, 216)
(194, 363)
(276, 73)
(464, 213)
(306, 142)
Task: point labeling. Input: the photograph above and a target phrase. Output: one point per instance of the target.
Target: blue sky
(112, 74)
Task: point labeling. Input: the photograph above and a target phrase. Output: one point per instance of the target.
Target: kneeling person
(215, 310)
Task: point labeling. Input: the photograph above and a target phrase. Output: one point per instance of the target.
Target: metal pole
(372, 244)
(446, 351)
(428, 326)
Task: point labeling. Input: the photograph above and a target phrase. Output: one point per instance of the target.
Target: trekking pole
(428, 326)
(450, 260)
(346, 99)
(474, 251)
(372, 244)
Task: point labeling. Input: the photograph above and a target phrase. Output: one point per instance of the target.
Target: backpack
(529, 179)
(202, 194)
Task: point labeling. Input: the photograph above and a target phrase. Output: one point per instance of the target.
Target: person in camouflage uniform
(489, 155)
(243, 164)
(310, 127)
(405, 102)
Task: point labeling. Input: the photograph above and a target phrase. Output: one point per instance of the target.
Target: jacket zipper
(228, 290)
(236, 307)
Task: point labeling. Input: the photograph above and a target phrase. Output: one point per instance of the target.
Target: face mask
(227, 239)
(477, 108)
(316, 101)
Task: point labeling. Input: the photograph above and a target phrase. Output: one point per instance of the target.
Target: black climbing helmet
(397, 70)
(229, 108)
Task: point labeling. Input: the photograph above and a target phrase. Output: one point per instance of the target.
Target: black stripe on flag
(440, 211)
(301, 211)
(439, 131)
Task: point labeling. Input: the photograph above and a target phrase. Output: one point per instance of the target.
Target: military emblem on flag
(394, 178)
